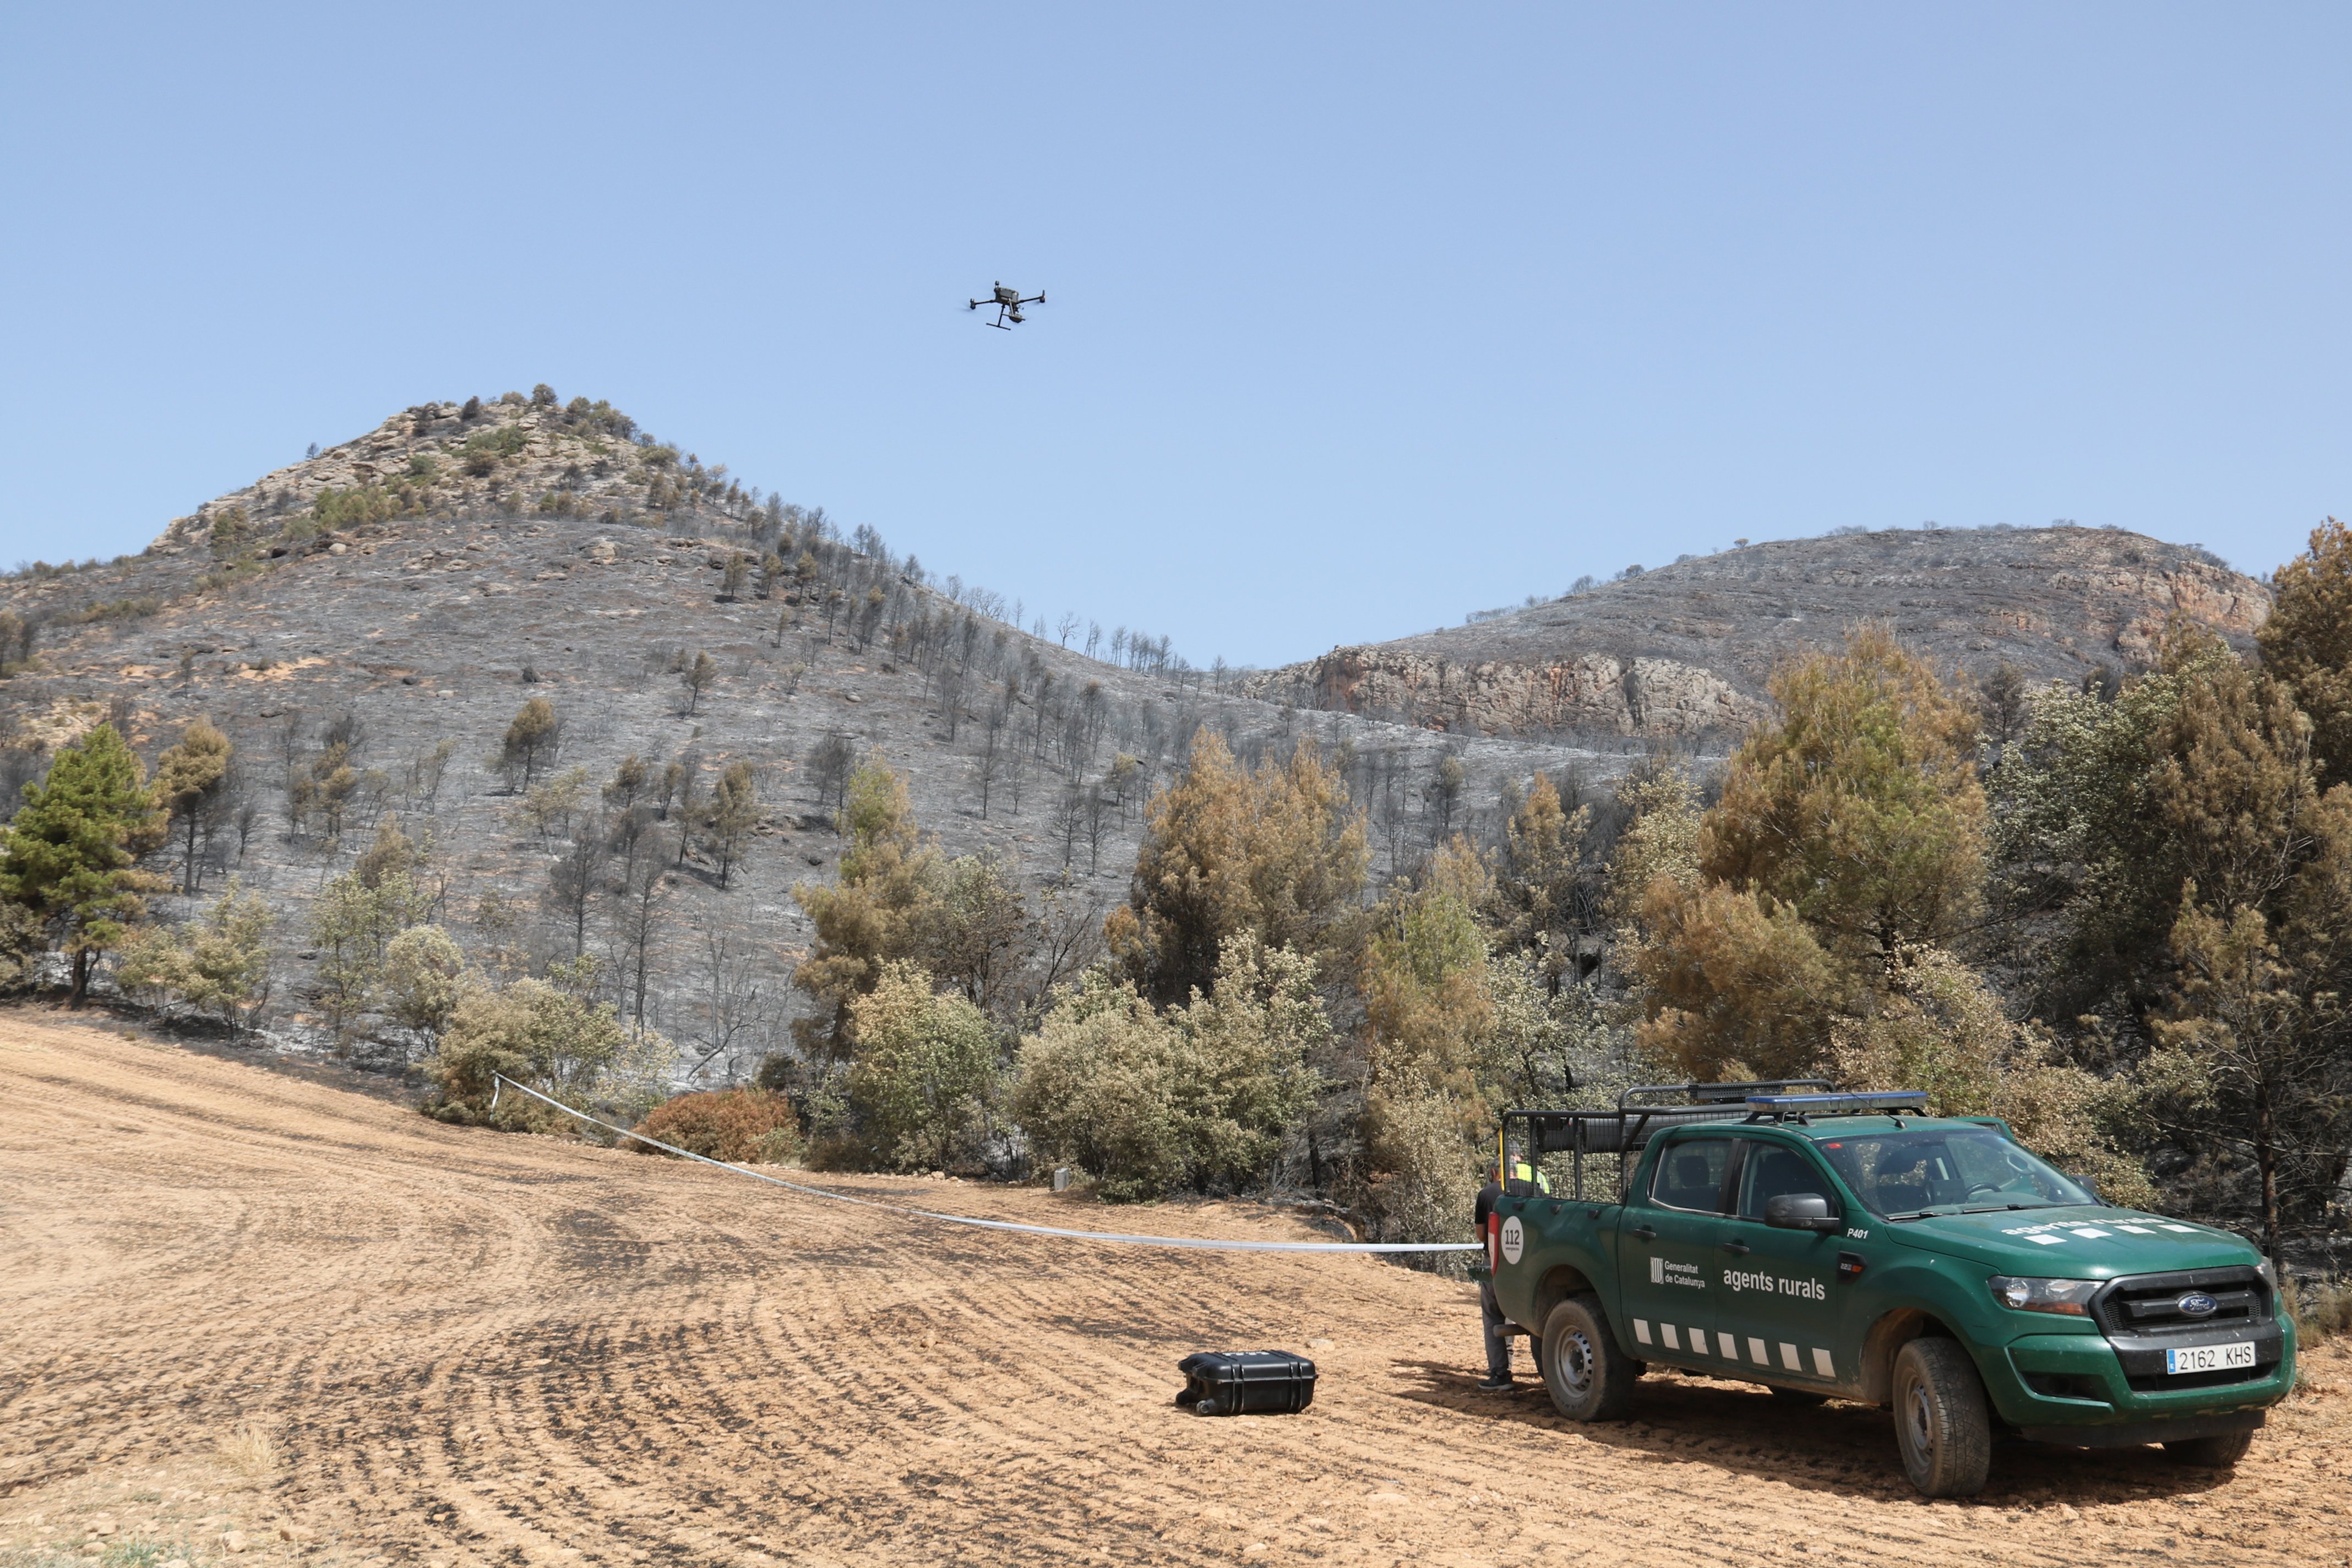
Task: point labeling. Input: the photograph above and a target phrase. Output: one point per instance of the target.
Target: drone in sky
(1008, 304)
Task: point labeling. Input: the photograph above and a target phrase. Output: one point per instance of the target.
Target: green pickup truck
(1849, 1246)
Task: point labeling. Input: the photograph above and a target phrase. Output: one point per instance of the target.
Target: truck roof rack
(1650, 1109)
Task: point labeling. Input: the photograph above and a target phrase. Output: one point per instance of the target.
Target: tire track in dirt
(478, 1349)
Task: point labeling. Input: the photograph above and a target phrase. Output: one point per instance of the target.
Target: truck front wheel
(1941, 1424)
(1588, 1378)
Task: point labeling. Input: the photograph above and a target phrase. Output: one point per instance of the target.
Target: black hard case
(1246, 1383)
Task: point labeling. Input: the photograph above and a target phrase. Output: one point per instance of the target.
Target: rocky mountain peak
(518, 455)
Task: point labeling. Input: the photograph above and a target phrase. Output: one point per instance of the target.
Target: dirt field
(466, 1348)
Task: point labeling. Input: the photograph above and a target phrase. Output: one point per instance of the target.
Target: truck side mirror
(1801, 1211)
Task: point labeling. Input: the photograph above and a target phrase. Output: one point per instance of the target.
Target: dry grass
(249, 1452)
(2321, 1308)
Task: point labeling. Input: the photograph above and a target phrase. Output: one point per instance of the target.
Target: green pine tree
(68, 855)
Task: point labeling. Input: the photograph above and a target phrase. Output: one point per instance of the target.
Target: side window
(1690, 1175)
(1773, 1170)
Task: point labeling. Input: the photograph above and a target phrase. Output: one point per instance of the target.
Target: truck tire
(2219, 1452)
(1588, 1377)
(1941, 1424)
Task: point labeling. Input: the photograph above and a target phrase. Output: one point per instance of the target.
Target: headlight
(2269, 1272)
(2071, 1297)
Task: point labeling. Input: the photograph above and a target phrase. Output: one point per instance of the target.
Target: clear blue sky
(1361, 317)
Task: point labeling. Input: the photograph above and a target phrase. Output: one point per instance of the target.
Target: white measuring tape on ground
(1190, 1243)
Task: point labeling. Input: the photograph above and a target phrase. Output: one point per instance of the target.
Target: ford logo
(2196, 1304)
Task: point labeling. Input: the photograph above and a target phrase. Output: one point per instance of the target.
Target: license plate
(2209, 1358)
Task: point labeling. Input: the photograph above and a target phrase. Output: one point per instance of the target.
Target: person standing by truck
(1490, 1311)
(1498, 1342)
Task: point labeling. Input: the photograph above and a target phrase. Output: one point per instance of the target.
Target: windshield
(1947, 1170)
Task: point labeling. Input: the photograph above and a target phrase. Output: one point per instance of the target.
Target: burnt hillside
(406, 592)
(1686, 649)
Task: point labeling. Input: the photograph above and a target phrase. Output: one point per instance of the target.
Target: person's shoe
(1497, 1386)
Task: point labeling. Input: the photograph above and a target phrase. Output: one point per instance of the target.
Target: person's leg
(1498, 1343)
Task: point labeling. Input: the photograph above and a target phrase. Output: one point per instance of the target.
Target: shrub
(348, 509)
(24, 939)
(532, 1033)
(741, 1126)
(17, 635)
(604, 416)
(923, 1076)
(2321, 1308)
(1200, 1097)
(126, 609)
(1094, 1089)
(423, 978)
(219, 964)
(1428, 1182)
(482, 450)
(353, 920)
(232, 531)
(228, 575)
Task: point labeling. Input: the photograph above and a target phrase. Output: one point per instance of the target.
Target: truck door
(1666, 1238)
(1779, 1301)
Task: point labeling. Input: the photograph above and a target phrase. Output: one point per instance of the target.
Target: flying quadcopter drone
(1008, 304)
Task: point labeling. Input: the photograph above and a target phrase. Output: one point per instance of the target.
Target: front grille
(2150, 1303)
(2141, 1317)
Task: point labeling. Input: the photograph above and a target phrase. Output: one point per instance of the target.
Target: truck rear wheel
(1941, 1424)
(2219, 1452)
(1588, 1377)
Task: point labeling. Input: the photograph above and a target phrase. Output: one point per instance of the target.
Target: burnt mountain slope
(1685, 650)
(416, 586)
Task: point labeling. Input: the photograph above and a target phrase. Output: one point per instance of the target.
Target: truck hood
(2085, 1242)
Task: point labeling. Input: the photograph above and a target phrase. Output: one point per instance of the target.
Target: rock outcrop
(1584, 694)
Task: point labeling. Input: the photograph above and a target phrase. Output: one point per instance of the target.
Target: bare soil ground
(459, 1348)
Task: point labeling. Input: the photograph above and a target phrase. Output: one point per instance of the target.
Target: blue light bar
(1903, 1098)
